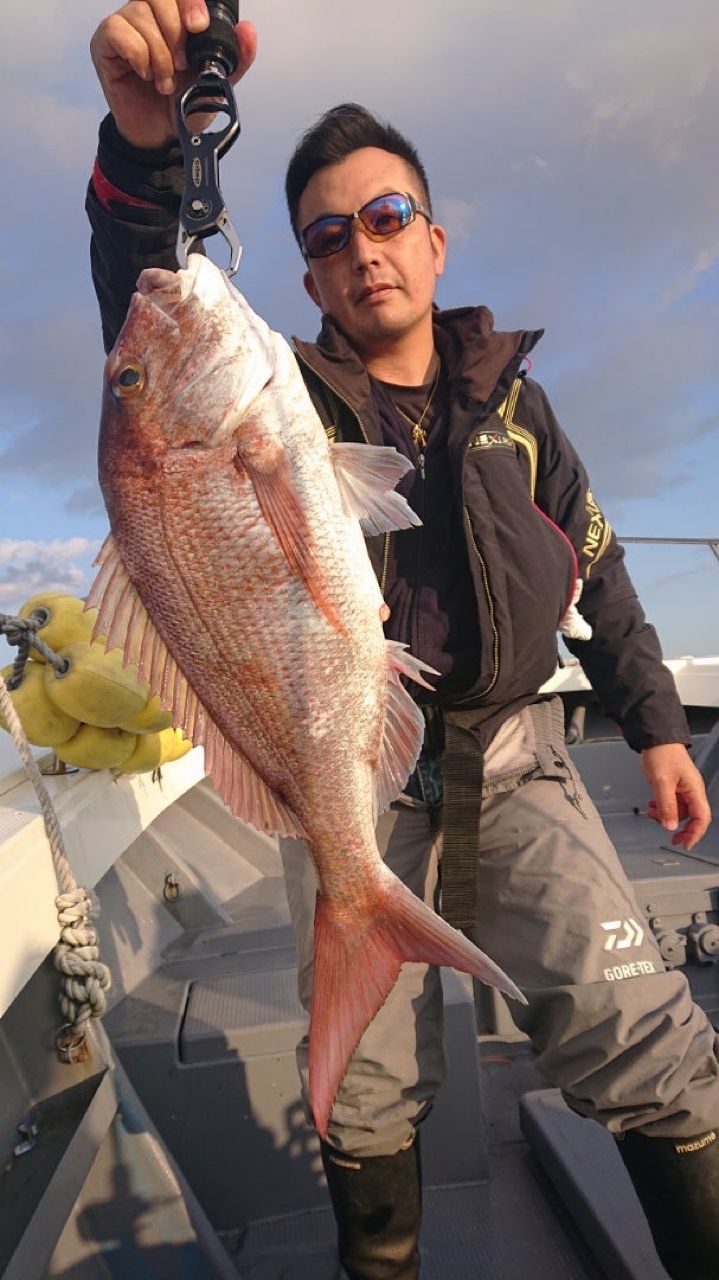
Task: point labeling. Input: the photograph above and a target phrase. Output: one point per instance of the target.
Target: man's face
(377, 291)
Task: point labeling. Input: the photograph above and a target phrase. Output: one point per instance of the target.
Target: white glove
(573, 625)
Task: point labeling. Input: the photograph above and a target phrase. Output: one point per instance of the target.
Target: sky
(572, 155)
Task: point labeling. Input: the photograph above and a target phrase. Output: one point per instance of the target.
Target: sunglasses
(384, 216)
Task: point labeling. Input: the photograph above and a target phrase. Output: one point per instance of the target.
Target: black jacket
(531, 521)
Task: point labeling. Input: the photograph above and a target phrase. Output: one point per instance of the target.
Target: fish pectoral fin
(123, 618)
(356, 968)
(366, 476)
(283, 514)
(403, 726)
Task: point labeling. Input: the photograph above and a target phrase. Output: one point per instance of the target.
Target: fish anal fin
(249, 797)
(366, 476)
(283, 514)
(355, 969)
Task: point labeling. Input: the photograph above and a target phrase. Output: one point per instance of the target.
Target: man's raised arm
(134, 194)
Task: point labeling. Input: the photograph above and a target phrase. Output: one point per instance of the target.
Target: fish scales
(240, 586)
(267, 665)
(238, 526)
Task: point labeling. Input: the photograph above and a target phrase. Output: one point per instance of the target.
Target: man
(478, 592)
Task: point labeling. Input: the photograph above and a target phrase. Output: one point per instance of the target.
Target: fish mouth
(168, 290)
(211, 293)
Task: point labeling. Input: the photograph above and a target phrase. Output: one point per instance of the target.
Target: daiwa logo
(622, 934)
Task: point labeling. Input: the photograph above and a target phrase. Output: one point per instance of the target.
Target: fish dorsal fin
(403, 727)
(366, 476)
(123, 618)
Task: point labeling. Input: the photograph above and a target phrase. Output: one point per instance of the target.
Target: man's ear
(438, 237)
(311, 288)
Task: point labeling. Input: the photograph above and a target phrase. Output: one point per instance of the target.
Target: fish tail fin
(356, 965)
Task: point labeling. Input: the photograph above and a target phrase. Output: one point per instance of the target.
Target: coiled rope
(85, 979)
(21, 632)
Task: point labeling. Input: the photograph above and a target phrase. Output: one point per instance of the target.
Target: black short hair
(340, 131)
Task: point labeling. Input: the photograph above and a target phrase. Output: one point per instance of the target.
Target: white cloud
(688, 279)
(51, 41)
(28, 566)
(460, 218)
(50, 127)
(48, 423)
(649, 78)
(531, 164)
(63, 132)
(567, 152)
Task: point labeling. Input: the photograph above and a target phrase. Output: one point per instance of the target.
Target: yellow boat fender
(150, 719)
(95, 748)
(65, 621)
(96, 689)
(174, 745)
(145, 756)
(155, 749)
(45, 724)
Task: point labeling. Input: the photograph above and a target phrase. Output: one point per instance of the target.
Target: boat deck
(193, 1158)
(207, 1039)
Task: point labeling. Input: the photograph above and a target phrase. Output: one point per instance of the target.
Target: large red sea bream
(237, 579)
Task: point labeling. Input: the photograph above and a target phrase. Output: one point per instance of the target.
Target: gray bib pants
(616, 1032)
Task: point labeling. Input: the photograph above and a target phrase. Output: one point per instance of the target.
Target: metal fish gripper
(212, 55)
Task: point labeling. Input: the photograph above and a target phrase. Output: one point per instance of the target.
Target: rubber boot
(377, 1202)
(677, 1182)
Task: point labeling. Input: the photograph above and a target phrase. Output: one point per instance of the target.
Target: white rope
(85, 979)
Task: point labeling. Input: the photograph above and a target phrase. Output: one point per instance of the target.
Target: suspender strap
(463, 770)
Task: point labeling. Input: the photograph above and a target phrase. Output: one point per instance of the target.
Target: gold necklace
(419, 435)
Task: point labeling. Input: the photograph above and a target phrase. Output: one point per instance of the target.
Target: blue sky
(572, 156)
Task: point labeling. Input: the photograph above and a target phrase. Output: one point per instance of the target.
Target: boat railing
(696, 674)
(711, 543)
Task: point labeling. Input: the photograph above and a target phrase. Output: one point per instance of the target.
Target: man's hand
(139, 57)
(678, 791)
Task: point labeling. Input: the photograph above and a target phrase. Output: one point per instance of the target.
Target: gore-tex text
(634, 970)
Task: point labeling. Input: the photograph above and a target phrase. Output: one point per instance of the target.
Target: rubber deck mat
(507, 1229)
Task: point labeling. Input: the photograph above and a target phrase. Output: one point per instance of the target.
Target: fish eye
(130, 380)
